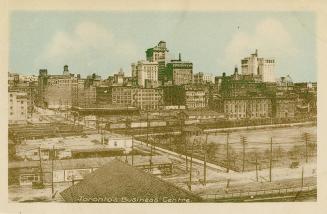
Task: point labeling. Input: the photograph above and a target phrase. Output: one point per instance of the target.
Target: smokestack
(180, 57)
(256, 52)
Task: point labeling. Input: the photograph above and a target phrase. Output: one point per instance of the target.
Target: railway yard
(252, 163)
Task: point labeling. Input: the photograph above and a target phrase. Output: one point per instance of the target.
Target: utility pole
(52, 158)
(243, 141)
(170, 146)
(132, 150)
(151, 155)
(302, 177)
(270, 161)
(306, 139)
(147, 127)
(183, 139)
(227, 150)
(190, 187)
(205, 162)
(41, 171)
(256, 167)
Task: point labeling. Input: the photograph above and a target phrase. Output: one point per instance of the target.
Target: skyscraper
(254, 65)
(158, 54)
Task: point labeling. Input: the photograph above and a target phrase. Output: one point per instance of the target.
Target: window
(28, 179)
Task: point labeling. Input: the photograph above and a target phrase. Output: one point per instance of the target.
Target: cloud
(270, 38)
(87, 46)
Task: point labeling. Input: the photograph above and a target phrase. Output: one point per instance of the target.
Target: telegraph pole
(243, 140)
(306, 139)
(227, 150)
(302, 175)
(147, 127)
(205, 161)
(183, 138)
(151, 155)
(190, 187)
(270, 162)
(52, 158)
(41, 171)
(132, 150)
(256, 167)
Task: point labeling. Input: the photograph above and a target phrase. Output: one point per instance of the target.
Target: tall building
(146, 73)
(158, 54)
(254, 65)
(57, 91)
(179, 72)
(17, 107)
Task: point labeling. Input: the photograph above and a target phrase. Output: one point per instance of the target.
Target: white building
(67, 147)
(17, 107)
(146, 73)
(208, 78)
(28, 78)
(259, 66)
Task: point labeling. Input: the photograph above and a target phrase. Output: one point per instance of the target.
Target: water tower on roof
(66, 71)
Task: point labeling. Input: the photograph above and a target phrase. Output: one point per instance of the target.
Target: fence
(280, 191)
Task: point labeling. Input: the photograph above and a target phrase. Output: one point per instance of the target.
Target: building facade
(179, 72)
(285, 106)
(254, 65)
(195, 97)
(17, 103)
(247, 108)
(158, 54)
(148, 98)
(123, 95)
(146, 73)
(57, 91)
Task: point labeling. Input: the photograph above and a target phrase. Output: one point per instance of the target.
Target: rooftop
(119, 182)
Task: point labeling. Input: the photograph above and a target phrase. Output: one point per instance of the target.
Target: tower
(66, 71)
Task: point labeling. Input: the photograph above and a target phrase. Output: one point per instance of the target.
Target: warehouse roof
(119, 182)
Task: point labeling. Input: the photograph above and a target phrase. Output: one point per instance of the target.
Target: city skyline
(104, 42)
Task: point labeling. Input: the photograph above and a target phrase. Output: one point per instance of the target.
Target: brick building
(179, 72)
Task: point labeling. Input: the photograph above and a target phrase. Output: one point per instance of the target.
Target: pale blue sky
(103, 42)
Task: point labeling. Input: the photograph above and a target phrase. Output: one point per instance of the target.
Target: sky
(103, 42)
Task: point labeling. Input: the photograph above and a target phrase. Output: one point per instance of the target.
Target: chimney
(256, 52)
(180, 57)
